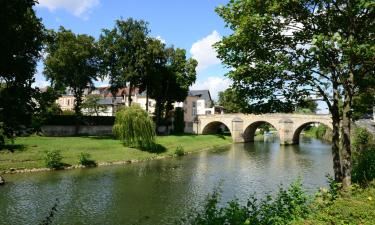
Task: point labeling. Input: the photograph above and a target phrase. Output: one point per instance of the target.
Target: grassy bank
(29, 152)
(355, 208)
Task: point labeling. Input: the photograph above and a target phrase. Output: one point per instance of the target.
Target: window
(194, 104)
(68, 102)
(199, 104)
(194, 112)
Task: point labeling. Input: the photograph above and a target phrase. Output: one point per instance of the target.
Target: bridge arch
(215, 127)
(301, 127)
(249, 132)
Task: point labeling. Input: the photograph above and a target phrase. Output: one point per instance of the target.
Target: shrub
(179, 151)
(361, 139)
(53, 159)
(2, 135)
(134, 127)
(289, 205)
(364, 165)
(85, 159)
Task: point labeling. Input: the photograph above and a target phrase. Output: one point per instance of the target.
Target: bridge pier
(237, 130)
(286, 132)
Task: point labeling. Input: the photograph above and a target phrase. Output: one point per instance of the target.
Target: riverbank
(358, 207)
(28, 153)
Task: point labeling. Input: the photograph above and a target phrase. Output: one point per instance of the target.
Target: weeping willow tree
(134, 127)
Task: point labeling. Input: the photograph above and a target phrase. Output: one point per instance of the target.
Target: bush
(361, 139)
(84, 160)
(2, 135)
(288, 205)
(179, 151)
(72, 120)
(53, 159)
(364, 166)
(134, 127)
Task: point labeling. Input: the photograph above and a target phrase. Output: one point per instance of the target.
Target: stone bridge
(243, 126)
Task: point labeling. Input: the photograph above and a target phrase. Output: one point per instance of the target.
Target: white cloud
(214, 84)
(203, 51)
(162, 40)
(79, 8)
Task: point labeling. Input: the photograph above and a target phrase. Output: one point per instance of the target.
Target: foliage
(287, 206)
(45, 108)
(123, 50)
(355, 208)
(283, 52)
(22, 35)
(171, 80)
(178, 123)
(361, 139)
(179, 151)
(92, 107)
(85, 159)
(134, 127)
(307, 106)
(3, 136)
(230, 101)
(53, 159)
(364, 166)
(72, 62)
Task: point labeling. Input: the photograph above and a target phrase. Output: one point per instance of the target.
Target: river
(161, 191)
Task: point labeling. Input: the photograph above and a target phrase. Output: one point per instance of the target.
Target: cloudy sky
(192, 25)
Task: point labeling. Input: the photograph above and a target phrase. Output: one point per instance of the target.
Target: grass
(355, 208)
(29, 152)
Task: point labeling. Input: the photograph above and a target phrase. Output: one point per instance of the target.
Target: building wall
(66, 102)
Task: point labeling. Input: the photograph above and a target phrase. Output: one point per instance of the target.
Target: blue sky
(192, 25)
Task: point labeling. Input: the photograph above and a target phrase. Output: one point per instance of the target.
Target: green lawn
(29, 152)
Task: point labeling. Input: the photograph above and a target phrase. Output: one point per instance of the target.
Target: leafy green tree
(134, 127)
(72, 62)
(172, 81)
(21, 39)
(285, 51)
(124, 54)
(230, 101)
(91, 105)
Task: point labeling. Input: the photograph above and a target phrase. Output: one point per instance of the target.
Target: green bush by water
(53, 159)
(179, 151)
(288, 205)
(85, 160)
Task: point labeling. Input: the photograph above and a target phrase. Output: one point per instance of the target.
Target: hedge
(69, 120)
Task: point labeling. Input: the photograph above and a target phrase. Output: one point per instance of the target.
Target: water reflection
(157, 192)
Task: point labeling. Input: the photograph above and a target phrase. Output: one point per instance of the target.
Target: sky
(192, 25)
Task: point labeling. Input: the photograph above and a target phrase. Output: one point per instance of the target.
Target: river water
(161, 191)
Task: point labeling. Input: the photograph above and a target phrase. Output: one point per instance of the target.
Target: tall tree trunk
(336, 134)
(77, 109)
(345, 133)
(130, 94)
(147, 98)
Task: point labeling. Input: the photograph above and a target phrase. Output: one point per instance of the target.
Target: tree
(134, 127)
(91, 105)
(21, 39)
(171, 81)
(285, 51)
(230, 101)
(124, 50)
(72, 62)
